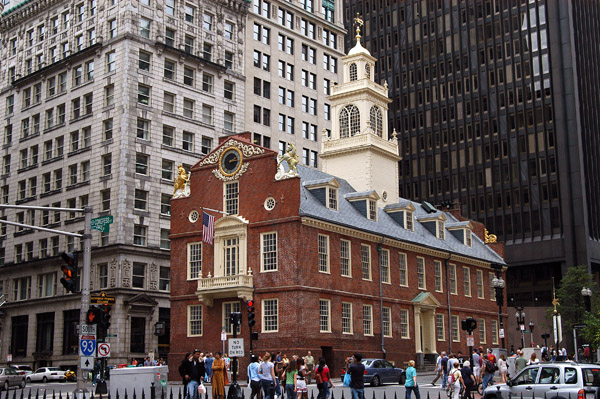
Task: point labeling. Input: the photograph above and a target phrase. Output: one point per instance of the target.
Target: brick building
(336, 262)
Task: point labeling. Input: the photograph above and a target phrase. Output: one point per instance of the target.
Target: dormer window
(353, 72)
(332, 201)
(440, 230)
(468, 238)
(408, 221)
(462, 231)
(372, 210)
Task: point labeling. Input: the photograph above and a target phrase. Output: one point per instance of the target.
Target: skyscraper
(495, 104)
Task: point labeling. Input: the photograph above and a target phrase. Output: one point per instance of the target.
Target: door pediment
(426, 300)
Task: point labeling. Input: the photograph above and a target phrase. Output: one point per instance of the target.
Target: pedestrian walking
(503, 367)
(357, 370)
(438, 367)
(267, 376)
(254, 378)
(182, 370)
(291, 371)
(309, 360)
(489, 369)
(219, 377)
(411, 381)
(194, 374)
(323, 379)
(208, 362)
(301, 387)
(444, 364)
(456, 381)
(468, 380)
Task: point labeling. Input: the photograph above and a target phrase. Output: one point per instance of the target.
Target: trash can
(138, 379)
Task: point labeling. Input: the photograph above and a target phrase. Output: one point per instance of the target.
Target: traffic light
(251, 315)
(469, 324)
(69, 269)
(106, 316)
(94, 315)
(235, 318)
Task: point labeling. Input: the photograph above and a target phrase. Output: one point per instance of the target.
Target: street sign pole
(81, 391)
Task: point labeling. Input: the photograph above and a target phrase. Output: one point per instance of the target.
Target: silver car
(10, 378)
(46, 374)
(551, 380)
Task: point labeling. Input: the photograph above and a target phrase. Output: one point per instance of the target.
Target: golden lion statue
(181, 182)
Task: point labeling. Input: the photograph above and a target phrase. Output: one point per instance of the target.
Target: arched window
(349, 121)
(376, 121)
(353, 72)
(368, 71)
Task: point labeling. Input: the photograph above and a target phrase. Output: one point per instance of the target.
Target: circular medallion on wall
(230, 161)
(194, 216)
(270, 203)
(384, 196)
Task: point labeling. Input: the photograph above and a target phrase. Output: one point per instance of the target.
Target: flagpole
(214, 210)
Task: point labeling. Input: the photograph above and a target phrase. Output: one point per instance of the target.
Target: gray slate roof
(349, 216)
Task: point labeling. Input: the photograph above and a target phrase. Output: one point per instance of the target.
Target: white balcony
(237, 286)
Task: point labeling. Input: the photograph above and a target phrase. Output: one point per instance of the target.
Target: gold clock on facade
(230, 161)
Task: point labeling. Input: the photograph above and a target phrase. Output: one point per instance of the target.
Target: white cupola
(359, 149)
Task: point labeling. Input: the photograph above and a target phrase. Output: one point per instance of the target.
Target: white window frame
(199, 320)
(368, 320)
(366, 263)
(495, 332)
(452, 279)
(264, 236)
(385, 266)
(480, 289)
(467, 281)
(386, 321)
(324, 315)
(264, 304)
(403, 269)
(404, 324)
(482, 331)
(440, 327)
(437, 267)
(455, 328)
(332, 198)
(324, 255)
(347, 318)
(421, 282)
(492, 289)
(345, 258)
(190, 247)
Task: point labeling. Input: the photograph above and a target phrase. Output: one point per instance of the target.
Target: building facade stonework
(101, 100)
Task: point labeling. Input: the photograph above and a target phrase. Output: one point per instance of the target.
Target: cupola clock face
(230, 161)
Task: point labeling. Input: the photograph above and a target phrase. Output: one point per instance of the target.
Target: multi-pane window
(324, 315)
(228, 30)
(268, 250)
(332, 202)
(194, 260)
(345, 263)
(480, 292)
(454, 328)
(386, 321)
(143, 94)
(437, 269)
(482, 334)
(165, 241)
(207, 82)
(189, 13)
(467, 280)
(231, 198)
(167, 169)
(403, 269)
(141, 200)
(229, 90)
(404, 324)
(494, 332)
(108, 129)
(111, 61)
(105, 200)
(440, 331)
(143, 129)
(452, 278)
(367, 320)
(346, 318)
(141, 164)
(231, 248)
(323, 253)
(145, 27)
(170, 37)
(144, 61)
(169, 103)
(188, 109)
(384, 262)
(169, 70)
(165, 204)
(164, 278)
(492, 289)
(140, 235)
(440, 230)
(365, 258)
(421, 273)
(188, 76)
(270, 321)
(207, 114)
(194, 325)
(46, 285)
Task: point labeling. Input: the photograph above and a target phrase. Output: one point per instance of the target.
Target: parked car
(46, 374)
(551, 380)
(22, 369)
(381, 371)
(10, 378)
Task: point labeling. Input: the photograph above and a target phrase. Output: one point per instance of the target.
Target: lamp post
(498, 284)
(520, 315)
(587, 298)
(531, 327)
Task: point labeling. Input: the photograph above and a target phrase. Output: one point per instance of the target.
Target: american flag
(208, 228)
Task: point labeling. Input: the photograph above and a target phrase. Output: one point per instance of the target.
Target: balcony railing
(238, 286)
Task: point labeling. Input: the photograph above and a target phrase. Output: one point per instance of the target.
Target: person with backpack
(489, 369)
(455, 381)
(444, 364)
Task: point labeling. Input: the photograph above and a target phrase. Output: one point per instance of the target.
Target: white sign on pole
(501, 333)
(9, 357)
(88, 329)
(236, 347)
(522, 327)
(470, 340)
(223, 336)
(87, 363)
(104, 349)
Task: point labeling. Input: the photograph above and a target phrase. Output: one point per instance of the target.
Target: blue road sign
(87, 347)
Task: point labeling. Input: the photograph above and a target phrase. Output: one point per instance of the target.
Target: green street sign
(102, 223)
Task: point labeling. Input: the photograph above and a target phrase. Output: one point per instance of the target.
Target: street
(389, 391)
